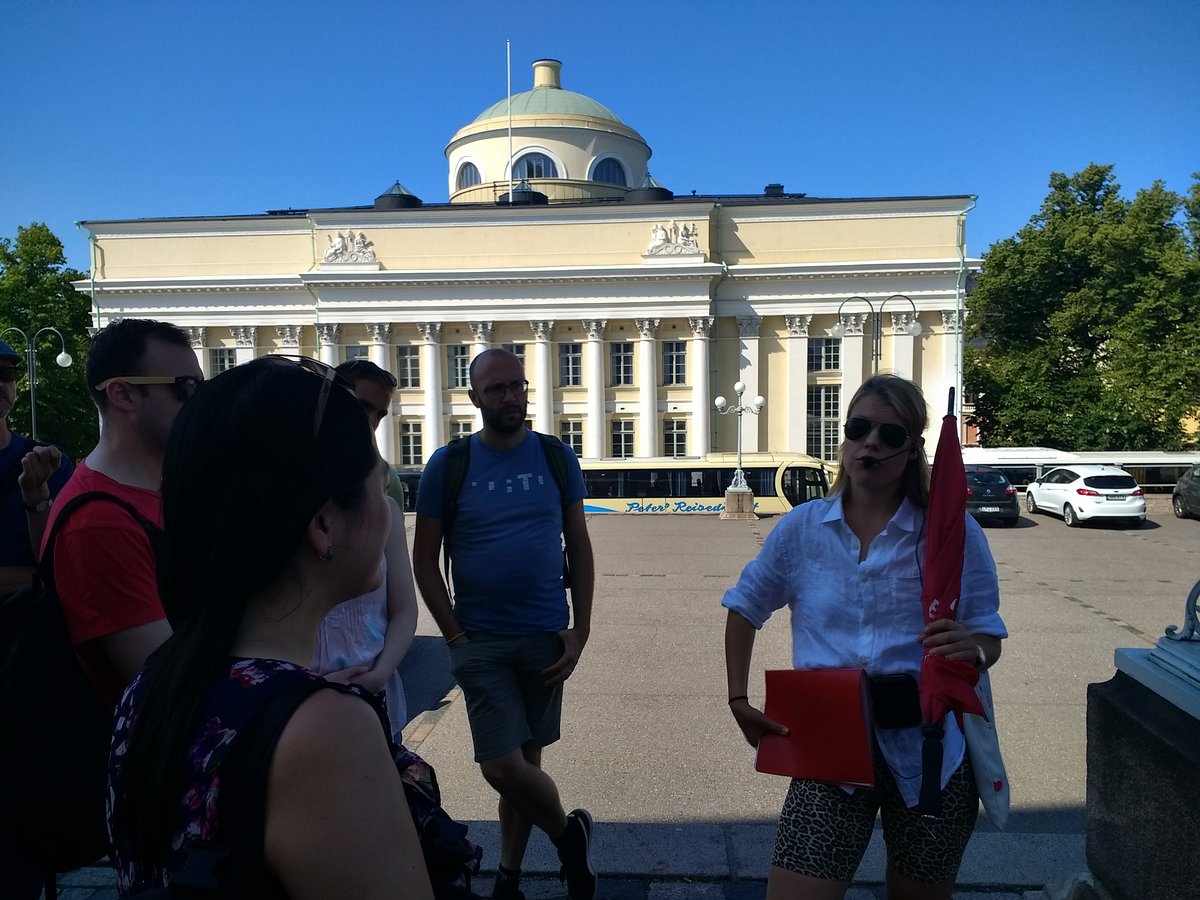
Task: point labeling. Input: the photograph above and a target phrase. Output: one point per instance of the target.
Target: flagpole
(508, 66)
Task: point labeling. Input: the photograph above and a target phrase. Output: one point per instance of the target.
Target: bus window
(761, 481)
(803, 483)
(601, 484)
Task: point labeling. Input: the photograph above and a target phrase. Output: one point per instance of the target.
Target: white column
(937, 392)
(327, 343)
(483, 341)
(902, 344)
(243, 339)
(647, 380)
(594, 427)
(797, 383)
(698, 434)
(543, 397)
(748, 327)
(433, 434)
(289, 338)
(380, 354)
(197, 336)
(852, 357)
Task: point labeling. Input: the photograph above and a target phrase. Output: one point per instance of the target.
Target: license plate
(1115, 497)
(989, 509)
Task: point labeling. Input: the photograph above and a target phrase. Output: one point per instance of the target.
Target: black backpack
(56, 729)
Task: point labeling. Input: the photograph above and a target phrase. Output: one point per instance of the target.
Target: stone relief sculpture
(672, 240)
(350, 248)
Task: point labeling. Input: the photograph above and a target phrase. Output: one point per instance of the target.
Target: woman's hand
(948, 638)
(346, 676)
(754, 723)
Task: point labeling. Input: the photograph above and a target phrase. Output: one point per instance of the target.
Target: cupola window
(610, 172)
(468, 176)
(535, 165)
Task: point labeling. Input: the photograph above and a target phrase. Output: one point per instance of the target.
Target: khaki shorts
(508, 704)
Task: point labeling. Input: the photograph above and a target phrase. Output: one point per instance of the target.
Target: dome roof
(548, 97)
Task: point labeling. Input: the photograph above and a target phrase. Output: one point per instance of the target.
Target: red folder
(828, 716)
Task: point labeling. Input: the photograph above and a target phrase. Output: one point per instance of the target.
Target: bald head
(489, 358)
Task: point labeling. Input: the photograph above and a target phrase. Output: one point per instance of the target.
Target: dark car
(991, 496)
(1185, 498)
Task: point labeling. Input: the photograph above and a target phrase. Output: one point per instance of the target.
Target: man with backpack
(504, 502)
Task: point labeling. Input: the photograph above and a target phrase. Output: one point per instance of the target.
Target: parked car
(991, 496)
(1081, 493)
(1185, 497)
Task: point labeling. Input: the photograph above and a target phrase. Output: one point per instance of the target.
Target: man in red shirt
(140, 373)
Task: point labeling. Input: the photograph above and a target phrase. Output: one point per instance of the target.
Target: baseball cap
(8, 353)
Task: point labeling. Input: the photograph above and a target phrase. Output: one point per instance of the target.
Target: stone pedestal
(1143, 792)
(739, 505)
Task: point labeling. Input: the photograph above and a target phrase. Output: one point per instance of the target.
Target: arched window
(534, 165)
(610, 172)
(468, 176)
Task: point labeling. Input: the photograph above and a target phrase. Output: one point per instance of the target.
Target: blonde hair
(906, 399)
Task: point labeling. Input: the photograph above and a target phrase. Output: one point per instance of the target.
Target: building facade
(632, 309)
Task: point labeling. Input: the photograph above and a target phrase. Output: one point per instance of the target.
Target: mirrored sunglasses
(10, 373)
(892, 436)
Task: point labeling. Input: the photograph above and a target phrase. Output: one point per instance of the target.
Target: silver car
(1081, 493)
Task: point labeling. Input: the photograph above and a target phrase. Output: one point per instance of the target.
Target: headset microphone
(871, 461)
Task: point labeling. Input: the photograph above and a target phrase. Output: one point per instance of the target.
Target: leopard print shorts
(824, 831)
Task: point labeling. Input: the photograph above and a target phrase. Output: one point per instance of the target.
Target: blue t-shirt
(14, 529)
(506, 547)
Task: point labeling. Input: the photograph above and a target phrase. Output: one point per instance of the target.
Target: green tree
(36, 291)
(1090, 321)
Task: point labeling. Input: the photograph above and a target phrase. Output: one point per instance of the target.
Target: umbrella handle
(950, 404)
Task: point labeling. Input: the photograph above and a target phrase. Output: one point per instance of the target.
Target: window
(408, 367)
(571, 432)
(517, 350)
(824, 354)
(674, 362)
(468, 176)
(570, 364)
(622, 438)
(610, 172)
(221, 360)
(458, 363)
(824, 419)
(410, 444)
(461, 428)
(358, 351)
(534, 165)
(675, 437)
(621, 354)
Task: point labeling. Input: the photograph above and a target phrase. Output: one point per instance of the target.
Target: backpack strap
(45, 570)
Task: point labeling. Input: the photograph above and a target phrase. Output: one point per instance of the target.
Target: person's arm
(739, 648)
(427, 545)
(127, 651)
(13, 578)
(37, 468)
(401, 607)
(582, 566)
(337, 824)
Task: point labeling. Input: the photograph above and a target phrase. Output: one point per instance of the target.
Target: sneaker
(506, 892)
(575, 852)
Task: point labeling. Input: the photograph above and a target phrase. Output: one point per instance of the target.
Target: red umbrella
(946, 685)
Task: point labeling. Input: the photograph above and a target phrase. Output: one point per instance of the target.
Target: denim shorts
(508, 704)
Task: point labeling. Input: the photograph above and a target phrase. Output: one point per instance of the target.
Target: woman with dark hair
(274, 511)
(849, 569)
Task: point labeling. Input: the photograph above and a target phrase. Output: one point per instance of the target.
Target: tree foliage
(35, 292)
(1090, 321)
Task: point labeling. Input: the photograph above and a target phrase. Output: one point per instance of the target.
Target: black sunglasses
(10, 373)
(857, 428)
(329, 377)
(496, 391)
(185, 385)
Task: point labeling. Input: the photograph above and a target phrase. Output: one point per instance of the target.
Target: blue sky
(125, 109)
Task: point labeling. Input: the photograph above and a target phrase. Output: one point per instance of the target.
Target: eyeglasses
(497, 391)
(857, 428)
(9, 374)
(328, 375)
(185, 385)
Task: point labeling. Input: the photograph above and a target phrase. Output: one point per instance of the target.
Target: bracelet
(451, 640)
(733, 700)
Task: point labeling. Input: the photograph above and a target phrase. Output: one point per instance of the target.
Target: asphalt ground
(650, 749)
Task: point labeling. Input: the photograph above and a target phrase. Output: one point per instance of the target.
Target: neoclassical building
(632, 308)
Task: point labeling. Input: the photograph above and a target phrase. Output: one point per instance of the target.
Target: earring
(327, 555)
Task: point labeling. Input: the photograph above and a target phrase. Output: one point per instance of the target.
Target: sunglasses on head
(329, 377)
(185, 385)
(857, 428)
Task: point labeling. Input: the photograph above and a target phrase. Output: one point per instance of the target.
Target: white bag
(983, 743)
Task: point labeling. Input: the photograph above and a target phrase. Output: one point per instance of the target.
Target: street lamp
(913, 327)
(63, 359)
(739, 409)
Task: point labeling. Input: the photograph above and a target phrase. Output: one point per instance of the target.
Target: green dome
(549, 100)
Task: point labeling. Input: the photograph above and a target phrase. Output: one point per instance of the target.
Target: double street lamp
(739, 410)
(913, 327)
(63, 359)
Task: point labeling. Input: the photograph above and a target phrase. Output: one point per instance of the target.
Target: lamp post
(913, 327)
(739, 499)
(63, 359)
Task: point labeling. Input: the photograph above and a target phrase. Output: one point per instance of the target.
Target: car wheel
(1030, 503)
(1069, 516)
(1180, 508)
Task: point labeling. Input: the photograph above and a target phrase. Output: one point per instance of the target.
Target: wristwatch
(40, 507)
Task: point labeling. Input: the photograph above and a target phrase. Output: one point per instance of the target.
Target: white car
(1081, 493)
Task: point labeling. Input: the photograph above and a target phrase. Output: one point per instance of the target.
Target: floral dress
(232, 703)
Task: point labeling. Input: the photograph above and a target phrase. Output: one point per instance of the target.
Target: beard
(507, 419)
